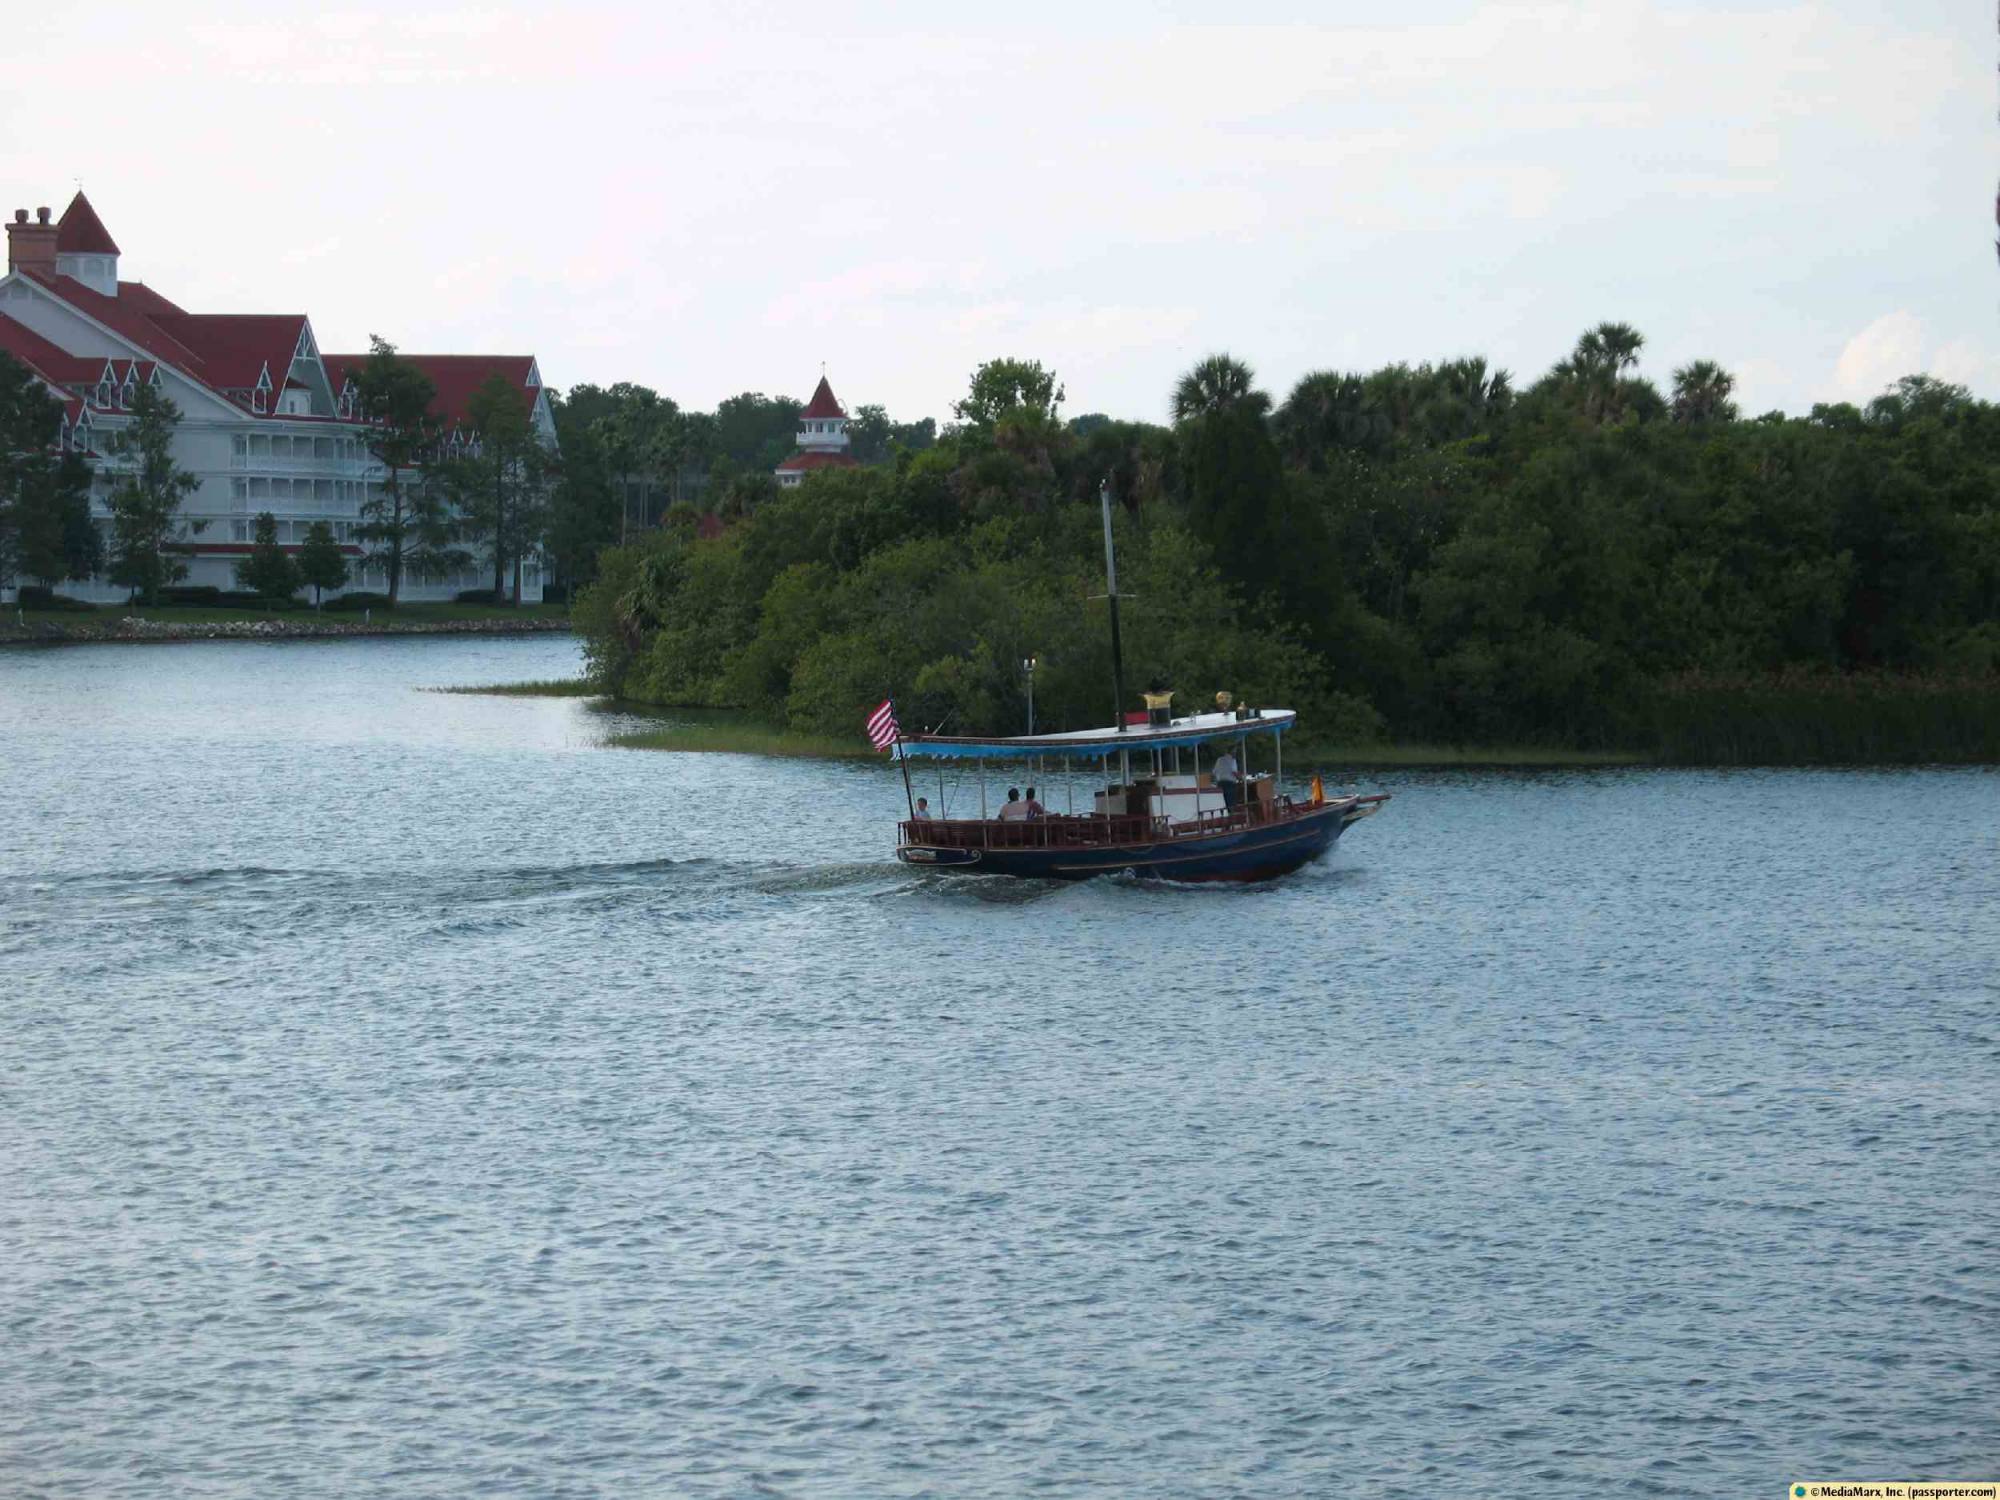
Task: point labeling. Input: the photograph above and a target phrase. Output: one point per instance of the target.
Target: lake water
(406, 1095)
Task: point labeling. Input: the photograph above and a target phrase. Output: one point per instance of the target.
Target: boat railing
(1082, 830)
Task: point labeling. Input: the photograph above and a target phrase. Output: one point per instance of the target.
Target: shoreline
(712, 739)
(134, 630)
(756, 739)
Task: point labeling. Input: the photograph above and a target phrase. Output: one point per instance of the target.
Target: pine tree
(321, 563)
(409, 522)
(503, 485)
(269, 570)
(46, 532)
(145, 508)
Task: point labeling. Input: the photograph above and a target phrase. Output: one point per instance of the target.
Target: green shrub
(1827, 718)
(36, 596)
(358, 600)
(245, 599)
(480, 596)
(205, 594)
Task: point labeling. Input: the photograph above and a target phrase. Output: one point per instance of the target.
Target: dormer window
(104, 391)
(260, 400)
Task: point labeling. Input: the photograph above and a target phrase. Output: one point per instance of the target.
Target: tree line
(627, 459)
(651, 459)
(503, 491)
(1428, 552)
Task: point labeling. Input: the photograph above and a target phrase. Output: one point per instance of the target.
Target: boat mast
(1111, 593)
(902, 760)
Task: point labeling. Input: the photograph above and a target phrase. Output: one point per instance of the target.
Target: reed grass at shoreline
(744, 739)
(1795, 721)
(546, 687)
(758, 739)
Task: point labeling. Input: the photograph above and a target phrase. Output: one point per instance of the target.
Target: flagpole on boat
(1111, 593)
(903, 761)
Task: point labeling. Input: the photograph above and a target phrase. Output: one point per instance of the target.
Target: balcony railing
(357, 465)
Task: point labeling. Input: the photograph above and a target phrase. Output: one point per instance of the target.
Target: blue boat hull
(1243, 854)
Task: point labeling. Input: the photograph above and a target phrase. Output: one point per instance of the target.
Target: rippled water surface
(404, 1095)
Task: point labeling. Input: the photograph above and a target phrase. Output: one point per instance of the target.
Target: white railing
(353, 468)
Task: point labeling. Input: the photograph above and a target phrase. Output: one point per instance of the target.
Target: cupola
(85, 251)
(823, 424)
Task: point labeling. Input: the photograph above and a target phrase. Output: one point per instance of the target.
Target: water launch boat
(1153, 809)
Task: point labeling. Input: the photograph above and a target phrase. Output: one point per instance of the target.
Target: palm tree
(1621, 343)
(1461, 399)
(1330, 409)
(1701, 393)
(1218, 384)
(1601, 358)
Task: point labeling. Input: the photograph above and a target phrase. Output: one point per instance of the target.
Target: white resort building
(822, 440)
(268, 422)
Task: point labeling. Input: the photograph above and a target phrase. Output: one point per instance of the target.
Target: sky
(710, 200)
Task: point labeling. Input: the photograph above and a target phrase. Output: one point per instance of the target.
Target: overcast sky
(712, 200)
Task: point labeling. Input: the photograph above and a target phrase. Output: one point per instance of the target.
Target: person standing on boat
(1228, 778)
(922, 811)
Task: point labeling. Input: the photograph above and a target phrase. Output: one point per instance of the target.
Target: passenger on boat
(923, 808)
(1014, 809)
(1035, 809)
(1228, 778)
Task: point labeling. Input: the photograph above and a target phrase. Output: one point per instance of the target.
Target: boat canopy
(1095, 744)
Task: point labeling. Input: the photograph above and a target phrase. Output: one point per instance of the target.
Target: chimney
(31, 247)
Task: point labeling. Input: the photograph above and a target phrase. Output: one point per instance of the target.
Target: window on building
(259, 400)
(239, 445)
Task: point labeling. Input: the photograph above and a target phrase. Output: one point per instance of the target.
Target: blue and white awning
(1095, 744)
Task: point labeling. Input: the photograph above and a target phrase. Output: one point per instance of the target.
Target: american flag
(882, 730)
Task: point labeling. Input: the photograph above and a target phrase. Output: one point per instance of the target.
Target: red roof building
(266, 422)
(456, 377)
(822, 439)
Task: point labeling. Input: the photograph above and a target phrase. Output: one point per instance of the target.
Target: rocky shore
(131, 628)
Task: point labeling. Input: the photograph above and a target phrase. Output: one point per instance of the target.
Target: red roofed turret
(822, 438)
(822, 403)
(85, 251)
(81, 232)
